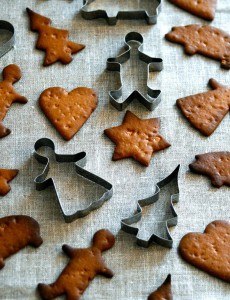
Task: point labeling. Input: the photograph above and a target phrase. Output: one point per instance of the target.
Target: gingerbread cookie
(164, 292)
(8, 95)
(137, 138)
(68, 111)
(206, 110)
(83, 266)
(16, 232)
(52, 40)
(206, 40)
(209, 251)
(216, 165)
(203, 8)
(6, 175)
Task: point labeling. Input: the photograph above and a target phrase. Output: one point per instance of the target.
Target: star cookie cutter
(153, 65)
(122, 15)
(6, 46)
(126, 224)
(79, 160)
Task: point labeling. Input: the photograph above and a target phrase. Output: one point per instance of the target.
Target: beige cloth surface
(138, 271)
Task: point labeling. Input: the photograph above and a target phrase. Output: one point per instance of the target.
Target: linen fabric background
(138, 271)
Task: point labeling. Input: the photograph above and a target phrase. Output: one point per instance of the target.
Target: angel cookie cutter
(79, 160)
(153, 97)
(125, 14)
(126, 224)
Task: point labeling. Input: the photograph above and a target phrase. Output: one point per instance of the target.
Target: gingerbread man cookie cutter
(7, 45)
(153, 65)
(79, 160)
(126, 224)
(121, 14)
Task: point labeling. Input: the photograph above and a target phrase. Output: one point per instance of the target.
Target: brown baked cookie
(83, 266)
(164, 292)
(68, 111)
(216, 165)
(137, 138)
(8, 95)
(206, 110)
(6, 175)
(209, 251)
(203, 8)
(16, 232)
(206, 40)
(52, 40)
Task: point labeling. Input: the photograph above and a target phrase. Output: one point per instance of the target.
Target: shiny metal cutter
(4, 48)
(153, 64)
(123, 15)
(126, 224)
(79, 160)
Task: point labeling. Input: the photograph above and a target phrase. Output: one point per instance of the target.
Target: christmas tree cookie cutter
(126, 224)
(79, 160)
(121, 14)
(6, 46)
(153, 64)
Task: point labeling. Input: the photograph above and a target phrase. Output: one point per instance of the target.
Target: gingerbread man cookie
(83, 266)
(8, 95)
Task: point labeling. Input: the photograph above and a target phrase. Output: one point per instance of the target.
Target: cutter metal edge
(4, 25)
(79, 159)
(127, 222)
(122, 15)
(153, 65)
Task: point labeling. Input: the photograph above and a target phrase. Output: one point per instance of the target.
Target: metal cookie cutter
(153, 64)
(79, 160)
(123, 15)
(126, 224)
(6, 46)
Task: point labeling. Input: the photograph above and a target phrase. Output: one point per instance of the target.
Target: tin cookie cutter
(123, 14)
(126, 224)
(153, 64)
(79, 160)
(6, 46)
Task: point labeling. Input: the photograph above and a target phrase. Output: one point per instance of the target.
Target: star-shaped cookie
(137, 138)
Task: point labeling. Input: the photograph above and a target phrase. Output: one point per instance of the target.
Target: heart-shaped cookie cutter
(79, 160)
(122, 14)
(6, 46)
(153, 65)
(126, 224)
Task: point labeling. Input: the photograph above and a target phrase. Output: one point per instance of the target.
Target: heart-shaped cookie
(68, 111)
(209, 251)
